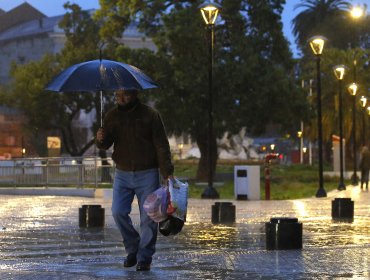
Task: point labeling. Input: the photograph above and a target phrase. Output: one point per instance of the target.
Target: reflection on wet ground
(40, 239)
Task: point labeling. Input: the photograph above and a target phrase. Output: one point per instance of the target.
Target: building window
(21, 59)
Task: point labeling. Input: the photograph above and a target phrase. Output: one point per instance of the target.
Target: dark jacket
(365, 160)
(139, 138)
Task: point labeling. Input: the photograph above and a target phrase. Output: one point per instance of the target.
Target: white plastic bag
(155, 205)
(178, 199)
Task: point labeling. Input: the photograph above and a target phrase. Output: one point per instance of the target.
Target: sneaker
(141, 266)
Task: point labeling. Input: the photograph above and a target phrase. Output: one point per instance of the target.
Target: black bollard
(342, 208)
(91, 216)
(223, 213)
(283, 234)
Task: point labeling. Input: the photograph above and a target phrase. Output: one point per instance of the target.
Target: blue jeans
(126, 185)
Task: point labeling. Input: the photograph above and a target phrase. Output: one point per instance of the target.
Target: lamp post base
(210, 192)
(341, 186)
(354, 179)
(321, 193)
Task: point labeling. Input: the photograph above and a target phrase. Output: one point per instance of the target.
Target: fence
(78, 171)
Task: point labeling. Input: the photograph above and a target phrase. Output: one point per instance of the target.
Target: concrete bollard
(342, 208)
(223, 213)
(91, 216)
(283, 234)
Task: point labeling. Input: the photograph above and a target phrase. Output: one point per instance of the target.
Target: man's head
(125, 96)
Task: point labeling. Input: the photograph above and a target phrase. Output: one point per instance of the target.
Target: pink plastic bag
(155, 205)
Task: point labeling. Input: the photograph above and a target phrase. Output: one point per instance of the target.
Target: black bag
(171, 226)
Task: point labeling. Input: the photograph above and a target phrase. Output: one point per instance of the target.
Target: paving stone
(40, 239)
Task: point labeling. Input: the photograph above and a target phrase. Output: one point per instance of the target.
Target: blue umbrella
(100, 75)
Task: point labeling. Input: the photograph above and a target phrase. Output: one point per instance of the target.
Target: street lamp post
(357, 12)
(368, 113)
(210, 12)
(23, 151)
(352, 89)
(363, 100)
(317, 46)
(339, 72)
(300, 137)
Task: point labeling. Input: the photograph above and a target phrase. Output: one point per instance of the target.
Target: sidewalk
(40, 239)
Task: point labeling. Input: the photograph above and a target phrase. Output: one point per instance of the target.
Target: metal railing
(78, 171)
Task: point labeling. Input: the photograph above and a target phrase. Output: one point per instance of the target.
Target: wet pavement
(40, 238)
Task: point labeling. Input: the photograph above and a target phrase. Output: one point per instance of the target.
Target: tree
(82, 36)
(27, 95)
(268, 81)
(51, 111)
(83, 44)
(330, 107)
(253, 72)
(329, 18)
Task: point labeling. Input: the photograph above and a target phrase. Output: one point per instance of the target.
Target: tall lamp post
(210, 12)
(300, 137)
(368, 110)
(363, 101)
(23, 148)
(317, 46)
(339, 72)
(356, 12)
(352, 89)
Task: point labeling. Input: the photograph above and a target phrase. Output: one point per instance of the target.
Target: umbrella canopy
(100, 75)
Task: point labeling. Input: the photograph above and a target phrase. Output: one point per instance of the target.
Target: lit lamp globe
(352, 89)
(209, 12)
(317, 44)
(358, 11)
(339, 71)
(363, 101)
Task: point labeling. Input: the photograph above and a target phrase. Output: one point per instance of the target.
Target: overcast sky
(55, 7)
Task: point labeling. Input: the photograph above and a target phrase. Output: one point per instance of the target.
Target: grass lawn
(287, 182)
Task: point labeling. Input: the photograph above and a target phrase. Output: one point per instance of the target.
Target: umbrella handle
(101, 108)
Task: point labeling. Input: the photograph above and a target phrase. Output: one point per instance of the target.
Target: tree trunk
(203, 170)
(328, 152)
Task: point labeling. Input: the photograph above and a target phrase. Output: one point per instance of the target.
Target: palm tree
(322, 17)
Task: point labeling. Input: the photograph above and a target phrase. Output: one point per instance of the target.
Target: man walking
(141, 153)
(365, 166)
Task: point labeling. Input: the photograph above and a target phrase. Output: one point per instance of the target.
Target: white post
(309, 143)
(301, 146)
(96, 167)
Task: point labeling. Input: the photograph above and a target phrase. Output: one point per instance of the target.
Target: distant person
(141, 152)
(365, 166)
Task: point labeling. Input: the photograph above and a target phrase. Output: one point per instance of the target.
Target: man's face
(124, 97)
